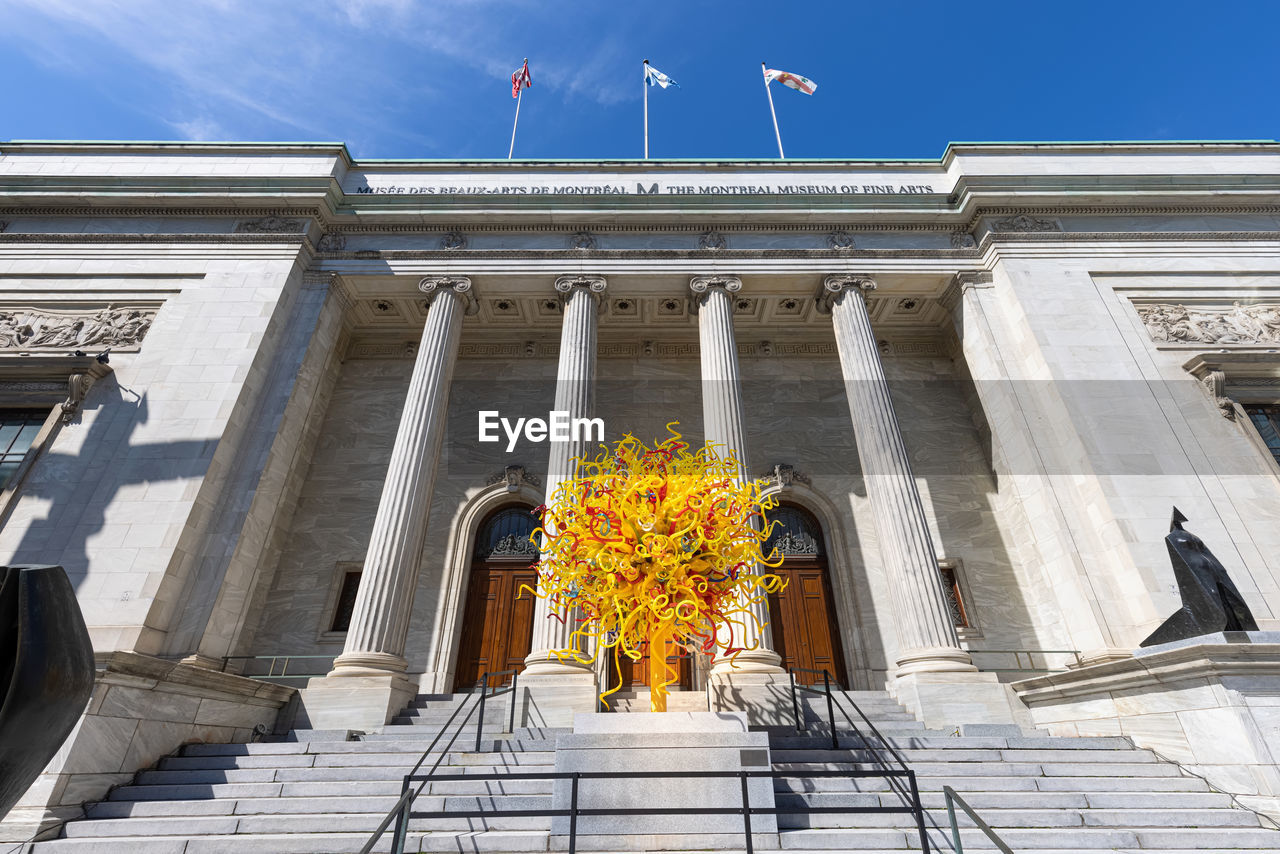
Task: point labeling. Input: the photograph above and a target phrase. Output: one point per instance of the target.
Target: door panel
(636, 673)
(497, 623)
(805, 631)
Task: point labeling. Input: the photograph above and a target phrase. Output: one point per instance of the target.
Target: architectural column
(927, 640)
(723, 426)
(580, 299)
(380, 621)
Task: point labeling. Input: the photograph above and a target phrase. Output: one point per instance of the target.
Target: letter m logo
(652, 191)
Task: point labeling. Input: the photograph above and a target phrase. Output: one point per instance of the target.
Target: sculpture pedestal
(667, 741)
(1209, 705)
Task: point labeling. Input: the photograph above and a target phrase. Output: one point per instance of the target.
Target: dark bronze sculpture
(1210, 602)
(46, 672)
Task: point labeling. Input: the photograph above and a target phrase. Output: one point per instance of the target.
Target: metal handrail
(952, 800)
(399, 810)
(910, 800)
(573, 811)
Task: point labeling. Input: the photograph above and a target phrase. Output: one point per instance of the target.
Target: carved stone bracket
(699, 286)
(78, 385)
(461, 285)
(835, 287)
(514, 476)
(784, 476)
(270, 225)
(1215, 382)
(1023, 224)
(595, 285)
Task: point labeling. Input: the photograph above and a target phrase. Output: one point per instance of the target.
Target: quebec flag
(654, 77)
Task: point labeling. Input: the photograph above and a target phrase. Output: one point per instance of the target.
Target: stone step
(367, 744)
(944, 742)
(916, 755)
(1019, 800)
(342, 822)
(1035, 839)
(966, 785)
(405, 760)
(1033, 818)
(378, 805)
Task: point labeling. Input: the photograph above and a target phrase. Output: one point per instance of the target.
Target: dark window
(955, 601)
(1267, 420)
(18, 429)
(505, 534)
(796, 533)
(346, 602)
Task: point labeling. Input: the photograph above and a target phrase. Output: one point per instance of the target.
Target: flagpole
(772, 111)
(519, 93)
(646, 109)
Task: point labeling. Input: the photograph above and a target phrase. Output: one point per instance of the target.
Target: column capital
(834, 288)
(594, 285)
(460, 285)
(701, 286)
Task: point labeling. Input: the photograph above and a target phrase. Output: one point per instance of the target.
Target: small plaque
(755, 758)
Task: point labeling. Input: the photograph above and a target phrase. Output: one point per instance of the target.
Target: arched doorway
(803, 616)
(497, 623)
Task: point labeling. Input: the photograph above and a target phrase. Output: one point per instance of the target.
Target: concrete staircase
(319, 794)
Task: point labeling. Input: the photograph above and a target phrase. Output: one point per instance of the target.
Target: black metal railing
(399, 813)
(573, 811)
(952, 800)
(1031, 666)
(272, 661)
(891, 771)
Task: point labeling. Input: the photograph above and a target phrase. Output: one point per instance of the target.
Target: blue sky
(431, 78)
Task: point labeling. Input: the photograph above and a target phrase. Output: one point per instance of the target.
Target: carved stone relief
(3, 225)
(514, 476)
(453, 240)
(711, 240)
(1240, 324)
(962, 240)
(29, 329)
(332, 242)
(840, 240)
(582, 240)
(269, 225)
(1024, 223)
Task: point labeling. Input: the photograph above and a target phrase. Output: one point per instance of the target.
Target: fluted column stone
(580, 300)
(927, 640)
(724, 427)
(380, 620)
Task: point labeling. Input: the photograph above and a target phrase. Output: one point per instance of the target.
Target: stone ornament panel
(24, 328)
(1175, 323)
(648, 348)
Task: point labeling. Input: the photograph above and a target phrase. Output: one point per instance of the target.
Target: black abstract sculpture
(1210, 602)
(46, 672)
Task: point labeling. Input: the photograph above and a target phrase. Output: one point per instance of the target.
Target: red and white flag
(521, 80)
(793, 81)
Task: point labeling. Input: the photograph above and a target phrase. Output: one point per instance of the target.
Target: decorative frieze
(270, 225)
(1239, 324)
(48, 329)
(514, 476)
(963, 240)
(583, 240)
(332, 242)
(1024, 223)
(453, 240)
(712, 240)
(840, 239)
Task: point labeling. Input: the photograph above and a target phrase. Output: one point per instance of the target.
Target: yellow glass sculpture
(649, 546)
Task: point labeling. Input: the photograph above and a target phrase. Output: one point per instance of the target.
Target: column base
(936, 659)
(544, 662)
(949, 699)
(367, 664)
(551, 697)
(203, 661)
(361, 703)
(764, 694)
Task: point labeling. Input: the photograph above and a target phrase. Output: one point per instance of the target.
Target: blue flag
(654, 77)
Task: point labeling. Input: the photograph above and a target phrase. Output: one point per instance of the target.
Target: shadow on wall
(97, 493)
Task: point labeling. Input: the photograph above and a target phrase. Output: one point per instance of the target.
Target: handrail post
(511, 707)
(746, 810)
(919, 811)
(402, 820)
(951, 817)
(831, 715)
(484, 690)
(795, 704)
(573, 814)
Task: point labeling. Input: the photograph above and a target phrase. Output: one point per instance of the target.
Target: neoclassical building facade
(261, 402)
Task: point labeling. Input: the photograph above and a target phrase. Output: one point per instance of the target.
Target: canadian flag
(520, 79)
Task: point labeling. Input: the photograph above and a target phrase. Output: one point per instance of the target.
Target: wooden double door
(497, 625)
(803, 617)
(635, 674)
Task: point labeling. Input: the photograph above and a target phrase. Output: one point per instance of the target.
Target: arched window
(505, 534)
(795, 534)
